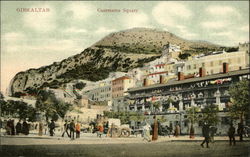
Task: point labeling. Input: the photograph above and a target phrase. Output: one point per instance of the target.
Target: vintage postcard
(124, 78)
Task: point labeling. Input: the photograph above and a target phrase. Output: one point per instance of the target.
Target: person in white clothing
(146, 132)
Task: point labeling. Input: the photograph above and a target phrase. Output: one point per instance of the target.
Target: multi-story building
(101, 94)
(212, 63)
(162, 68)
(119, 88)
(198, 91)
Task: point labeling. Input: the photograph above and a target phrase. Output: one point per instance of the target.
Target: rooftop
(121, 78)
(196, 79)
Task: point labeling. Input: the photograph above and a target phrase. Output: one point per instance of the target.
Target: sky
(35, 39)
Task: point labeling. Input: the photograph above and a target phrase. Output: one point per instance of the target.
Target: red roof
(121, 78)
(158, 65)
(163, 72)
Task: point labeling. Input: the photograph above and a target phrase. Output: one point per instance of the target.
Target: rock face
(117, 52)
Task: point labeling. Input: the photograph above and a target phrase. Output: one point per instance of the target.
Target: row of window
(212, 63)
(117, 95)
(117, 89)
(117, 82)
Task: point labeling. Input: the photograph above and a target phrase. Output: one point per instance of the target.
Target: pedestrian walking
(45, 128)
(111, 131)
(52, 126)
(146, 132)
(1, 125)
(177, 130)
(66, 128)
(240, 131)
(91, 128)
(25, 128)
(155, 130)
(18, 127)
(40, 128)
(100, 130)
(106, 127)
(12, 127)
(170, 129)
(72, 130)
(205, 132)
(8, 127)
(78, 129)
(231, 134)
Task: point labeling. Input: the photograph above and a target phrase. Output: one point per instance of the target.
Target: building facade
(119, 88)
(102, 94)
(213, 63)
(184, 93)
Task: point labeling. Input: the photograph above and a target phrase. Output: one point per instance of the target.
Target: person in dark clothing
(159, 127)
(12, 126)
(205, 133)
(8, 127)
(231, 134)
(25, 128)
(171, 129)
(72, 130)
(240, 131)
(1, 124)
(66, 128)
(52, 127)
(106, 127)
(18, 127)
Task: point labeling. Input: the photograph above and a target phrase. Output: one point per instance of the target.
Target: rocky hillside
(151, 41)
(117, 52)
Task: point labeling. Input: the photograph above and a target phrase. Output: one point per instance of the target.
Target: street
(91, 146)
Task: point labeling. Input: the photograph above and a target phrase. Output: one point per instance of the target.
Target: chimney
(202, 72)
(161, 79)
(145, 82)
(180, 76)
(225, 68)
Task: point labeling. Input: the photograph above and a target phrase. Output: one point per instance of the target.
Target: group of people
(12, 129)
(71, 129)
(208, 134)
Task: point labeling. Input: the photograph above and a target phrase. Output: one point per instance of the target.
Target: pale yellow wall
(120, 86)
(213, 63)
(128, 83)
(169, 68)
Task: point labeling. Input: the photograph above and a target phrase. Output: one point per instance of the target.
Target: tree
(192, 117)
(240, 98)
(184, 55)
(23, 110)
(18, 109)
(80, 85)
(51, 106)
(210, 114)
(157, 105)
